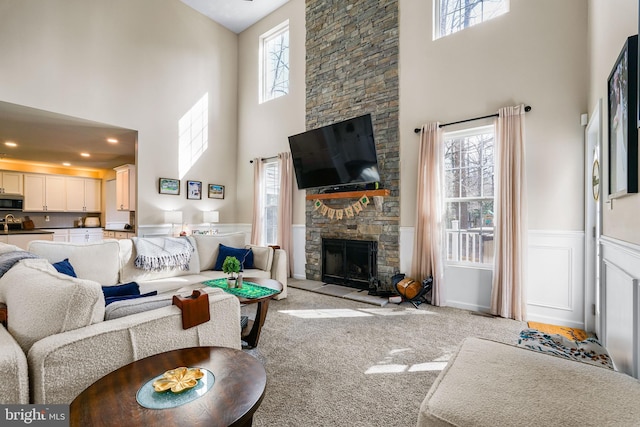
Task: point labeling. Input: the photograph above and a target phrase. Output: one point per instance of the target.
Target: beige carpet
(337, 362)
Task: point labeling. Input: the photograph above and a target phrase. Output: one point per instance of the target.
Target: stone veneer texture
(352, 69)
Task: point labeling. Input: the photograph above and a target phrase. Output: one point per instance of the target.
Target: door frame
(592, 222)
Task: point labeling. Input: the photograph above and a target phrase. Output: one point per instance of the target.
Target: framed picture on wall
(169, 186)
(623, 130)
(194, 190)
(216, 191)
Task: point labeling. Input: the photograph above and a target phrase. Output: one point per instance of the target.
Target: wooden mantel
(349, 194)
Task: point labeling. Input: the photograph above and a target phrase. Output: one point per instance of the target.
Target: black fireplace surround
(350, 263)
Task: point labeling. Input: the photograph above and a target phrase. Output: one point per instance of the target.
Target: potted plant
(231, 266)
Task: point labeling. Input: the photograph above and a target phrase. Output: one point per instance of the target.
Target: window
(274, 63)
(451, 16)
(270, 196)
(193, 131)
(469, 189)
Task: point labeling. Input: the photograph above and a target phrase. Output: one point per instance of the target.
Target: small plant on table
(231, 266)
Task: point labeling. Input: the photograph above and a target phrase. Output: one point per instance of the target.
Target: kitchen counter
(33, 231)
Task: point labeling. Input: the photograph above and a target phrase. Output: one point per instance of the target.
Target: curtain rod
(417, 130)
(262, 159)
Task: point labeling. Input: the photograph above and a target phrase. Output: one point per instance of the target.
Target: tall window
(270, 195)
(469, 189)
(451, 16)
(274, 63)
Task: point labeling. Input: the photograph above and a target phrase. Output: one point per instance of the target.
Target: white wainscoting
(299, 251)
(620, 302)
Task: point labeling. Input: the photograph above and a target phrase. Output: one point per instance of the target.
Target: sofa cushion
(130, 273)
(99, 261)
(120, 290)
(244, 255)
(43, 302)
(207, 246)
(262, 257)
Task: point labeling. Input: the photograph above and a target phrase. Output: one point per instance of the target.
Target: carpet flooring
(332, 361)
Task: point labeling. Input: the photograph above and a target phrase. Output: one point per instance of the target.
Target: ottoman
(487, 383)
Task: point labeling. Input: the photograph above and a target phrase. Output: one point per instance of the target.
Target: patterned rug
(575, 334)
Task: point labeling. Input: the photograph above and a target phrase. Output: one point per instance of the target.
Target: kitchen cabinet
(22, 240)
(85, 235)
(118, 235)
(44, 193)
(60, 235)
(126, 188)
(83, 194)
(11, 182)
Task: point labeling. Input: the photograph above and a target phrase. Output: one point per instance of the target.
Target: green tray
(248, 290)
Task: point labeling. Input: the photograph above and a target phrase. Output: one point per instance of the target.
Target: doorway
(593, 220)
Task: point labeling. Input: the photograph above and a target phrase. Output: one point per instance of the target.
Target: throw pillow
(245, 256)
(65, 267)
(121, 290)
(128, 297)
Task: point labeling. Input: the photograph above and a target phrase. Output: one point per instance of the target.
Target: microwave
(11, 202)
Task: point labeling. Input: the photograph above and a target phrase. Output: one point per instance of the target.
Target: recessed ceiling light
(85, 154)
(10, 144)
(112, 140)
(66, 164)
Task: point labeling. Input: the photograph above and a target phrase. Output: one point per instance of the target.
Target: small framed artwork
(194, 190)
(169, 186)
(216, 191)
(623, 130)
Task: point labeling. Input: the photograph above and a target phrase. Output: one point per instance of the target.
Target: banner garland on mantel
(348, 212)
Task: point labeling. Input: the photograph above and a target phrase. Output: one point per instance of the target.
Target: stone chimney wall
(352, 69)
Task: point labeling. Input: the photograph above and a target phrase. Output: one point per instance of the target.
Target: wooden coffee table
(251, 332)
(237, 391)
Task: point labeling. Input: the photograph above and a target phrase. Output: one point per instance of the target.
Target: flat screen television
(341, 154)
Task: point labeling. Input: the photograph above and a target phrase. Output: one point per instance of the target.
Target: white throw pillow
(262, 257)
(42, 302)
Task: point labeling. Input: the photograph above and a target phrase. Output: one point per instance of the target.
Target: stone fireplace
(351, 70)
(351, 263)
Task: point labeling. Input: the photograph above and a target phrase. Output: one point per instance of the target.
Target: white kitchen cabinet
(126, 188)
(44, 193)
(59, 234)
(11, 182)
(85, 235)
(83, 194)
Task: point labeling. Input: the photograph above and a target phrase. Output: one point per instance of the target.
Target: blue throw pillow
(245, 256)
(109, 300)
(121, 290)
(65, 267)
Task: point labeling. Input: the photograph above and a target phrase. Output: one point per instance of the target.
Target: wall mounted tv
(337, 155)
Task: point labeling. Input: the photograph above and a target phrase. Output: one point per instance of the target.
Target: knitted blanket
(162, 253)
(8, 259)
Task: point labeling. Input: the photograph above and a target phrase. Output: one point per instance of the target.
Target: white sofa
(56, 323)
(492, 384)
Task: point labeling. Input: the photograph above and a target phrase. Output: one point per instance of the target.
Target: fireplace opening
(351, 263)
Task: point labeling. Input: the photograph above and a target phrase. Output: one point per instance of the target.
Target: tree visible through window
(469, 194)
(274, 50)
(455, 15)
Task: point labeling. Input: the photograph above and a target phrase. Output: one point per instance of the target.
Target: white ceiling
(236, 15)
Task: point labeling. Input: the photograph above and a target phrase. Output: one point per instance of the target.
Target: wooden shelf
(349, 194)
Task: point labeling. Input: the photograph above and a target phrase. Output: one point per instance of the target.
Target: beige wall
(536, 55)
(136, 64)
(610, 23)
(263, 128)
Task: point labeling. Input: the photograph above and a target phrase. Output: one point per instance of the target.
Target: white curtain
(285, 206)
(508, 297)
(428, 255)
(256, 223)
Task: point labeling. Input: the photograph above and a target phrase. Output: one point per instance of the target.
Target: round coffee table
(237, 391)
(251, 333)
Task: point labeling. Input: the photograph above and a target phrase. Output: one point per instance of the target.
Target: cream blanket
(162, 253)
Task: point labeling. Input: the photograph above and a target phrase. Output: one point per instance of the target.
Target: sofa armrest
(61, 366)
(14, 387)
(280, 270)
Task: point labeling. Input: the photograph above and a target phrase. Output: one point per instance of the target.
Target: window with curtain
(469, 195)
(270, 195)
(451, 16)
(274, 63)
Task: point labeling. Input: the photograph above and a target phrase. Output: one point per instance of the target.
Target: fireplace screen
(349, 262)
